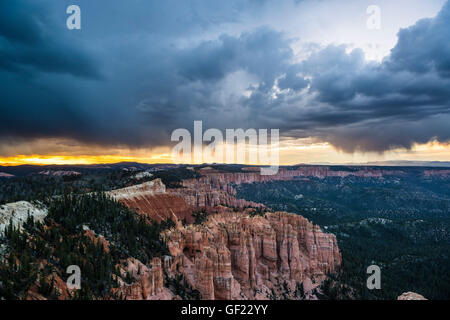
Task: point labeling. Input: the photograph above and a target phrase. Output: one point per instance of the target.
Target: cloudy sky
(337, 90)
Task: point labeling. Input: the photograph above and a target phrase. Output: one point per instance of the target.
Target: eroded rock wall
(235, 256)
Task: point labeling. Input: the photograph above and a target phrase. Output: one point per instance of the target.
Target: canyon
(217, 245)
(233, 254)
(236, 256)
(215, 189)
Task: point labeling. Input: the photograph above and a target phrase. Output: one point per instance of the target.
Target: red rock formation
(97, 239)
(148, 281)
(235, 256)
(161, 207)
(231, 255)
(411, 296)
(222, 178)
(153, 201)
(439, 173)
(216, 188)
(208, 193)
(60, 287)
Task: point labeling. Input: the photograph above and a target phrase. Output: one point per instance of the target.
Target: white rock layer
(148, 188)
(18, 212)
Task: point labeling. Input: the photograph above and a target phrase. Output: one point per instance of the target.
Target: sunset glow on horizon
(291, 152)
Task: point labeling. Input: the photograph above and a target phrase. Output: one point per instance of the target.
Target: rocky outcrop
(60, 173)
(147, 282)
(208, 193)
(222, 178)
(214, 189)
(411, 296)
(97, 239)
(154, 201)
(235, 256)
(142, 175)
(140, 190)
(18, 213)
(217, 188)
(60, 287)
(232, 255)
(436, 173)
(6, 175)
(151, 200)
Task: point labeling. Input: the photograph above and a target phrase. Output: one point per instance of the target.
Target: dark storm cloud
(121, 80)
(376, 107)
(29, 42)
(424, 47)
(37, 66)
(263, 52)
(139, 69)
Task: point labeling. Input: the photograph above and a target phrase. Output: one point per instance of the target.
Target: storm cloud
(140, 69)
(401, 101)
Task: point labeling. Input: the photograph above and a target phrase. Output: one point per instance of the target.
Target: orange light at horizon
(291, 152)
(80, 160)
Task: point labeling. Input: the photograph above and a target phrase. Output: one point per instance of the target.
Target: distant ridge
(391, 163)
(22, 170)
(406, 163)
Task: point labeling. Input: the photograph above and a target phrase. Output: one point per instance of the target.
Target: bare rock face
(6, 175)
(411, 296)
(235, 256)
(216, 188)
(148, 188)
(438, 173)
(147, 281)
(18, 212)
(60, 287)
(213, 190)
(218, 178)
(231, 255)
(208, 192)
(151, 200)
(60, 173)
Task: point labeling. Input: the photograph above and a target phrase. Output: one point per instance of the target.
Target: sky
(338, 90)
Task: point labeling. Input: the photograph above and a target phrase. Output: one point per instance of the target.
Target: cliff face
(235, 256)
(151, 200)
(214, 189)
(207, 192)
(436, 173)
(154, 201)
(147, 281)
(222, 178)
